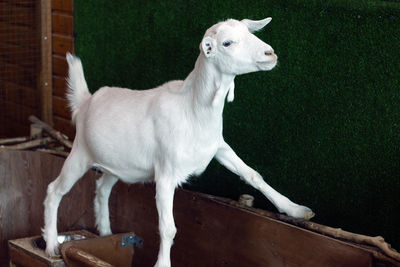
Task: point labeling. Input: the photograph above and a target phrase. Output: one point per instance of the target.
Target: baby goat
(162, 135)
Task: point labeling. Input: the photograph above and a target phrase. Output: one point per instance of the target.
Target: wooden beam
(45, 81)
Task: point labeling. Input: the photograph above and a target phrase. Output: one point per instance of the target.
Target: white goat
(164, 134)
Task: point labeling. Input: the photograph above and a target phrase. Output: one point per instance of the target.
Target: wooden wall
(21, 92)
(211, 232)
(63, 41)
(19, 54)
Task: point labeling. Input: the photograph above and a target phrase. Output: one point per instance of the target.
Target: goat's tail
(77, 90)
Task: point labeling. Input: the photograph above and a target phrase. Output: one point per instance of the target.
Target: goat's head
(234, 49)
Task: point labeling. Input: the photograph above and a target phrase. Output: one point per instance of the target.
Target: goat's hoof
(301, 212)
(52, 251)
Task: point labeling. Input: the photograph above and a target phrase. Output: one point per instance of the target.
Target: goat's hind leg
(74, 167)
(104, 186)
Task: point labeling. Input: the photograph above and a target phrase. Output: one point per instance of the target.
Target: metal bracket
(130, 240)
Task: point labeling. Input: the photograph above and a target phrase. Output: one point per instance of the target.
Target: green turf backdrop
(323, 127)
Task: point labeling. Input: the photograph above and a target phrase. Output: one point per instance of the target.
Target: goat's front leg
(165, 190)
(227, 157)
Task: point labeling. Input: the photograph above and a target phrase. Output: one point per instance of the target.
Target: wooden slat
(60, 66)
(19, 94)
(19, 55)
(24, 177)
(62, 23)
(14, 14)
(65, 126)
(63, 5)
(59, 85)
(62, 44)
(210, 232)
(13, 128)
(46, 73)
(17, 34)
(18, 113)
(18, 74)
(27, 3)
(60, 106)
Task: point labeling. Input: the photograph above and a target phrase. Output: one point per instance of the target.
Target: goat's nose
(269, 52)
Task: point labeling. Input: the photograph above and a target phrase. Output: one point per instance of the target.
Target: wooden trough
(211, 231)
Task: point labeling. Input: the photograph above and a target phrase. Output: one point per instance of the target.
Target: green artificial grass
(323, 127)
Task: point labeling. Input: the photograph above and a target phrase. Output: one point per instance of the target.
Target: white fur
(164, 134)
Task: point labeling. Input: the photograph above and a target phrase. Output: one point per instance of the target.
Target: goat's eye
(227, 43)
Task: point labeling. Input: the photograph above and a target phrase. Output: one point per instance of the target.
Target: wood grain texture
(65, 126)
(62, 23)
(19, 94)
(63, 5)
(17, 14)
(62, 44)
(24, 177)
(59, 85)
(60, 65)
(210, 233)
(61, 108)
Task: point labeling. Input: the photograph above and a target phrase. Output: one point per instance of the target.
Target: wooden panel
(45, 84)
(60, 66)
(63, 5)
(16, 34)
(10, 127)
(18, 75)
(28, 3)
(59, 86)
(18, 113)
(19, 55)
(20, 258)
(62, 23)
(19, 94)
(228, 236)
(210, 232)
(65, 126)
(62, 44)
(24, 177)
(61, 108)
(17, 14)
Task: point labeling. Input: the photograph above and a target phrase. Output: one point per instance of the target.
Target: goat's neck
(208, 87)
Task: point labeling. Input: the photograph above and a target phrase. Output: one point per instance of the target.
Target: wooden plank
(18, 74)
(210, 233)
(60, 66)
(65, 126)
(60, 106)
(62, 44)
(62, 23)
(228, 236)
(13, 128)
(63, 5)
(59, 85)
(19, 94)
(46, 76)
(19, 113)
(28, 3)
(20, 258)
(25, 56)
(24, 177)
(14, 14)
(15, 34)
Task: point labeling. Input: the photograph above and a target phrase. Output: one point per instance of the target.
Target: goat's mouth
(267, 65)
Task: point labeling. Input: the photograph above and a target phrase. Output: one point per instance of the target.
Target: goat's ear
(256, 25)
(208, 46)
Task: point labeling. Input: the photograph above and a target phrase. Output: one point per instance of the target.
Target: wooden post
(46, 79)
